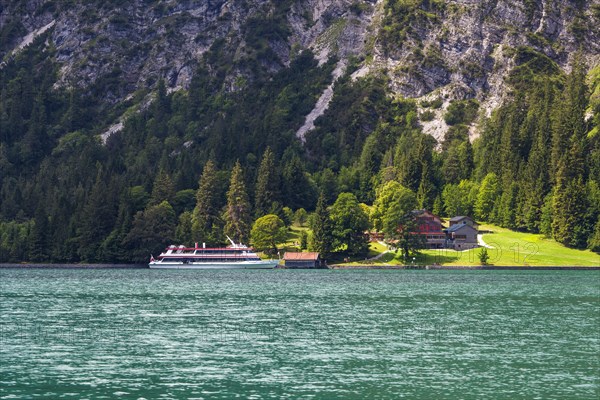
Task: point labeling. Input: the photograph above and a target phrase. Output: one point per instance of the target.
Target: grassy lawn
(293, 238)
(510, 249)
(515, 248)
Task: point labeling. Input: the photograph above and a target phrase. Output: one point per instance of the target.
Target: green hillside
(106, 161)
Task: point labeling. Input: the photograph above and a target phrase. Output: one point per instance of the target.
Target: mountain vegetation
(221, 154)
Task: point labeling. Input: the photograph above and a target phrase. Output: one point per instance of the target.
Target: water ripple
(146, 334)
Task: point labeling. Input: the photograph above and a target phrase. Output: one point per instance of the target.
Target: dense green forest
(198, 164)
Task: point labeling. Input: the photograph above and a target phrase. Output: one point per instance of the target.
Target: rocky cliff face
(431, 50)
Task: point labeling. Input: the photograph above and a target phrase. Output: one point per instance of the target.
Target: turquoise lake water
(285, 334)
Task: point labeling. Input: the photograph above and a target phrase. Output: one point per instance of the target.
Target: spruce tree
(38, 242)
(321, 228)
(152, 230)
(97, 219)
(426, 194)
(237, 213)
(536, 178)
(546, 216)
(267, 185)
(370, 162)
(438, 206)
(299, 192)
(206, 220)
(570, 114)
(487, 197)
(569, 204)
(594, 240)
(183, 232)
(36, 140)
(73, 118)
(507, 208)
(163, 189)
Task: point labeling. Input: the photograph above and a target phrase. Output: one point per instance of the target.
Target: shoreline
(340, 267)
(466, 267)
(71, 266)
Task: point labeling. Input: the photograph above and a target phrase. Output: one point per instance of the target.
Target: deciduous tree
(349, 223)
(267, 232)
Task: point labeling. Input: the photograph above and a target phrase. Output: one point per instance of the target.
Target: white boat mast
(234, 245)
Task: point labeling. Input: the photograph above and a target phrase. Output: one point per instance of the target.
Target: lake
(325, 334)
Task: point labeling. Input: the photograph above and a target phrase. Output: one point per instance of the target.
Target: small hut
(302, 260)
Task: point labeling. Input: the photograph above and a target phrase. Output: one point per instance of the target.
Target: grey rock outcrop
(460, 50)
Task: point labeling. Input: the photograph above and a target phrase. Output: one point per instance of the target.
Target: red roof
(297, 256)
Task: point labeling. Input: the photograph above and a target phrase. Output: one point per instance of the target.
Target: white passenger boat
(236, 256)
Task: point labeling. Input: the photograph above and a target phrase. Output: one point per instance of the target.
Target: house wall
(464, 238)
(430, 226)
(302, 263)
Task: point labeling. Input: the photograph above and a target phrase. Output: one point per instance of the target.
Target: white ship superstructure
(236, 256)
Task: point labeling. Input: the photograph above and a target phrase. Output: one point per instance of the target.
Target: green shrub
(461, 112)
(427, 115)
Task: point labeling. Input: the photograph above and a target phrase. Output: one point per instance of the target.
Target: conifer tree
(36, 138)
(569, 225)
(570, 111)
(152, 230)
(112, 248)
(370, 162)
(73, 118)
(487, 197)
(237, 213)
(453, 168)
(426, 191)
(183, 232)
(206, 220)
(509, 143)
(299, 192)
(328, 185)
(570, 201)
(321, 228)
(267, 185)
(97, 219)
(507, 208)
(163, 189)
(438, 205)
(594, 240)
(38, 250)
(536, 179)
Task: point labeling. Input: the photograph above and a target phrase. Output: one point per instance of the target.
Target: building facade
(302, 260)
(430, 226)
(461, 236)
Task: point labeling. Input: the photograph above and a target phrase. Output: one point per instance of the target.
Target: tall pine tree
(267, 185)
(163, 189)
(237, 213)
(206, 221)
(321, 228)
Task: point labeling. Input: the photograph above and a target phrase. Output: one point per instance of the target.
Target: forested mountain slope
(110, 112)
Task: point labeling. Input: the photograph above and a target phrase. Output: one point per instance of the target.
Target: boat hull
(263, 264)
